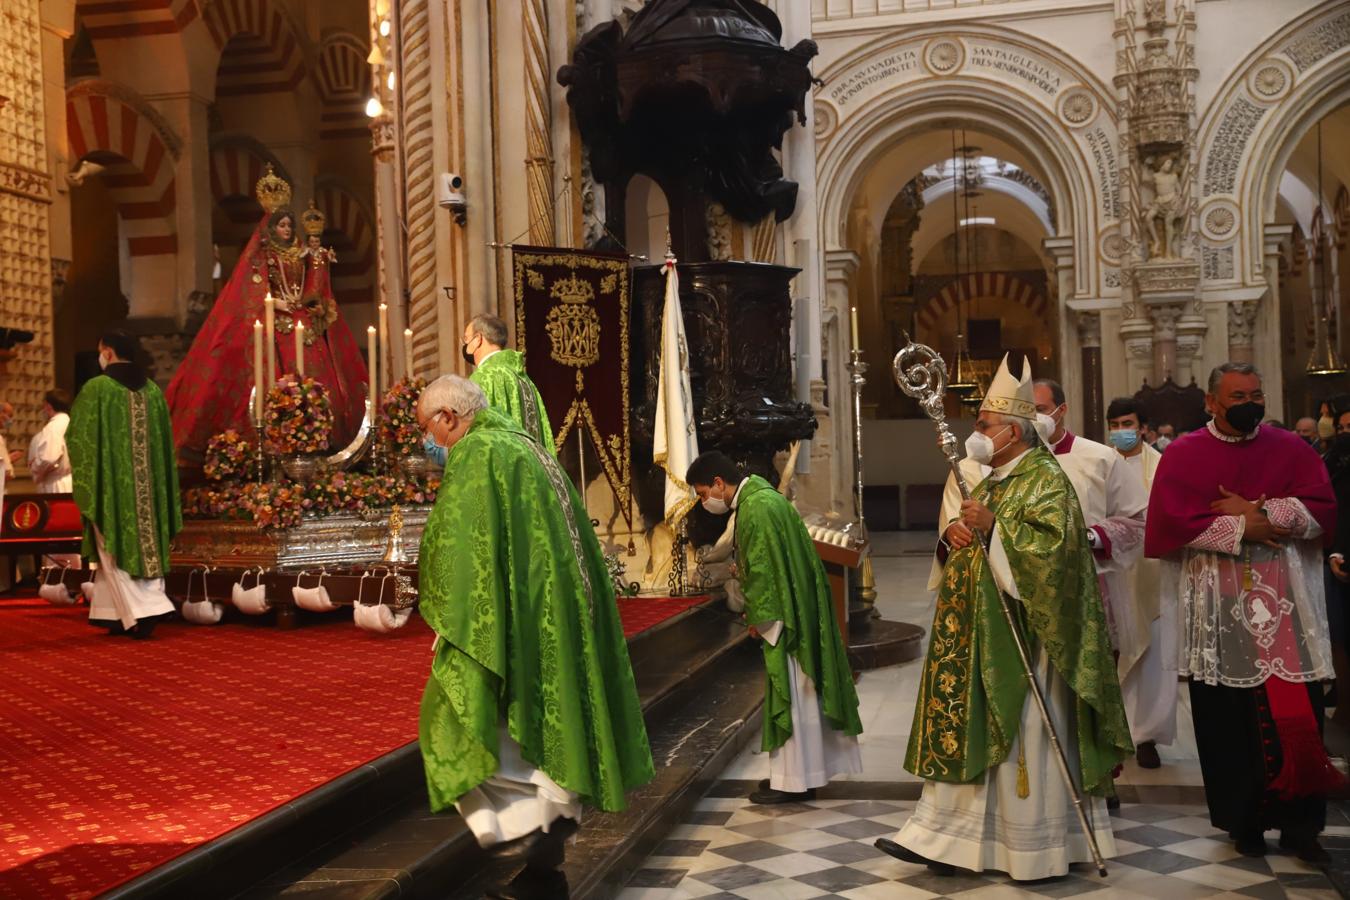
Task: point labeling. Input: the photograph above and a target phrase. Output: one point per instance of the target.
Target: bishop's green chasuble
(120, 443)
(513, 581)
(502, 377)
(784, 581)
(973, 688)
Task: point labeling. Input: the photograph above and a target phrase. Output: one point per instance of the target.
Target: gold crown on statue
(572, 290)
(1009, 395)
(272, 191)
(312, 220)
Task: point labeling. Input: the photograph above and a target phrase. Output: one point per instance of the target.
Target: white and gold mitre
(1008, 395)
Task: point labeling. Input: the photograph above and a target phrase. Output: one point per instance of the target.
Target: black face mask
(1245, 416)
(464, 351)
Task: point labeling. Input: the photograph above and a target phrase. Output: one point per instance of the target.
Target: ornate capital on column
(1165, 317)
(1242, 323)
(382, 139)
(1089, 329)
(841, 266)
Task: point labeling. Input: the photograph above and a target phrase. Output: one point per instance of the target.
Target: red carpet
(118, 755)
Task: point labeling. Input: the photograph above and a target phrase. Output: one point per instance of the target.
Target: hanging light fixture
(1325, 361)
(962, 381)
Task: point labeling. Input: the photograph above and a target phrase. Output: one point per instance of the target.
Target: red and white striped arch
(261, 51)
(344, 83)
(350, 231)
(236, 165)
(110, 126)
(983, 285)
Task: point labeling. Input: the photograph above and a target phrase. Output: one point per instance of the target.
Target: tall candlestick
(386, 363)
(300, 348)
(853, 311)
(407, 354)
(259, 385)
(269, 324)
(374, 379)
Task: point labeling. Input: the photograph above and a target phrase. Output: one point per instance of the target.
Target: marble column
(1090, 344)
(1241, 331)
(1165, 317)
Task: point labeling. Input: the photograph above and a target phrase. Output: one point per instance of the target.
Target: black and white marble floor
(729, 848)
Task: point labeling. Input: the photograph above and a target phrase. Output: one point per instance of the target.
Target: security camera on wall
(450, 195)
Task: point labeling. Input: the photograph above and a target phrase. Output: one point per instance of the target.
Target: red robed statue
(209, 393)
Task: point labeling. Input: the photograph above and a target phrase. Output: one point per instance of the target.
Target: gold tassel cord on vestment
(1023, 781)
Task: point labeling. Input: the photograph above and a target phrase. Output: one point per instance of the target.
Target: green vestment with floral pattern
(120, 443)
(514, 582)
(502, 377)
(784, 581)
(973, 687)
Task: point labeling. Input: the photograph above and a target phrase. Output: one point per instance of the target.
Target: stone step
(700, 683)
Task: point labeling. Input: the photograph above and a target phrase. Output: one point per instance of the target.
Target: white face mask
(716, 505)
(980, 447)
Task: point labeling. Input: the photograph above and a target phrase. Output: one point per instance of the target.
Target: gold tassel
(1023, 781)
(1247, 581)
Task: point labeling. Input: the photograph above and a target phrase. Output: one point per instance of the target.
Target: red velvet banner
(572, 325)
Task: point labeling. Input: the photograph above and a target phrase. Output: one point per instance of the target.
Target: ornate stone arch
(343, 76)
(1019, 88)
(349, 228)
(110, 125)
(275, 60)
(1249, 130)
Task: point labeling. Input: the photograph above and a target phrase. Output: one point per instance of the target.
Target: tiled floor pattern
(729, 848)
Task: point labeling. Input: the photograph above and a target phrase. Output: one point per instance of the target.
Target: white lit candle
(384, 344)
(853, 311)
(259, 385)
(269, 324)
(374, 379)
(300, 348)
(407, 354)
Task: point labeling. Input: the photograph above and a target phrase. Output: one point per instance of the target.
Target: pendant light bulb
(374, 108)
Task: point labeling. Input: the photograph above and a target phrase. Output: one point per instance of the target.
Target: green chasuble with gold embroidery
(513, 581)
(784, 581)
(973, 688)
(502, 377)
(120, 443)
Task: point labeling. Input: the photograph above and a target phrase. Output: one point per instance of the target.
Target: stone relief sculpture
(1164, 216)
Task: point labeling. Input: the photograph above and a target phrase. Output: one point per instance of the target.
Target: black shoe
(1250, 844)
(1146, 754)
(766, 796)
(904, 854)
(532, 884)
(539, 846)
(144, 628)
(1113, 802)
(1308, 849)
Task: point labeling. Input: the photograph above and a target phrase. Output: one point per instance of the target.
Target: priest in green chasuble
(531, 708)
(500, 372)
(811, 723)
(993, 796)
(120, 443)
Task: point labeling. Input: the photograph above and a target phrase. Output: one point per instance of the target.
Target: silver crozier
(922, 374)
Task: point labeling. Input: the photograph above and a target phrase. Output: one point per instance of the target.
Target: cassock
(502, 377)
(1146, 632)
(125, 478)
(47, 457)
(1254, 638)
(811, 722)
(993, 796)
(531, 706)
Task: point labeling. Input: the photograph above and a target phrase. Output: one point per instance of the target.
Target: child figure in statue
(209, 393)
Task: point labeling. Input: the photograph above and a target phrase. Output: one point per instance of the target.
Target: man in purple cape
(1237, 515)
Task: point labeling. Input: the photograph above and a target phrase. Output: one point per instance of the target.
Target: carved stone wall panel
(25, 257)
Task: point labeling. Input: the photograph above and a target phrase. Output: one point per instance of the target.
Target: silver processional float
(922, 374)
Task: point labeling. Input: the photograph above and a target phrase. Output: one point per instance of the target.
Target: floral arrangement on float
(283, 504)
(230, 456)
(299, 417)
(398, 418)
